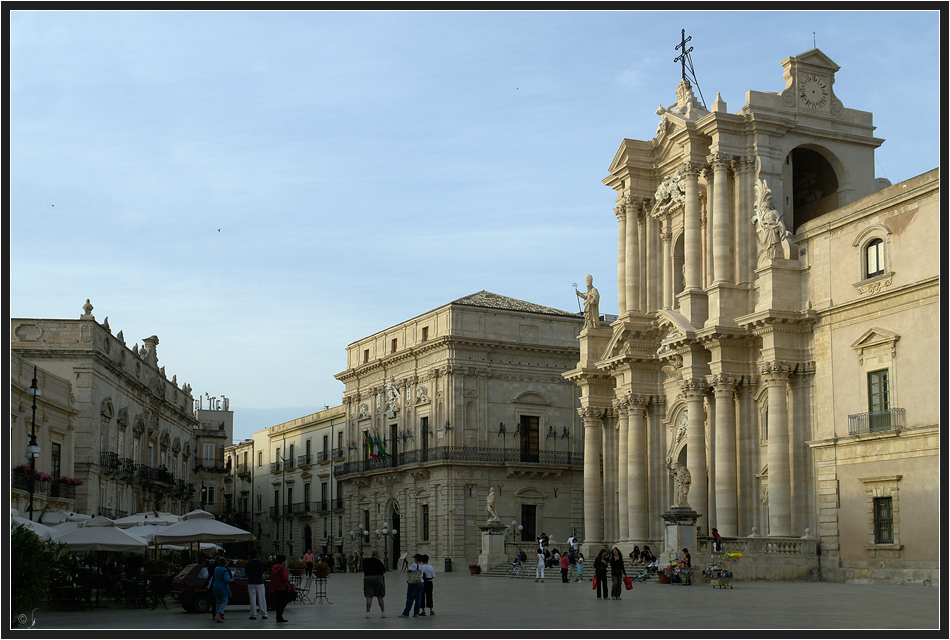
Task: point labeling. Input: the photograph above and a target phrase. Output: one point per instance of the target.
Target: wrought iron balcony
(461, 454)
(873, 421)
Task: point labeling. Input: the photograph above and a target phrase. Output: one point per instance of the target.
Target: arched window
(874, 258)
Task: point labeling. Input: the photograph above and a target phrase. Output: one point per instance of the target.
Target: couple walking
(420, 575)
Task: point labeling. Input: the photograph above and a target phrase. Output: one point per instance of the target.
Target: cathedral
(776, 336)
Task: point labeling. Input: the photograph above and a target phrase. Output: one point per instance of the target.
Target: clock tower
(809, 78)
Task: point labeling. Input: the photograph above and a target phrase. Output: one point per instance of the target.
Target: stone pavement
(463, 601)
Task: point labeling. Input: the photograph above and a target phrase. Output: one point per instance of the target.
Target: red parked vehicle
(191, 588)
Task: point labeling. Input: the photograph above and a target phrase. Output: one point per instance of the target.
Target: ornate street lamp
(33, 449)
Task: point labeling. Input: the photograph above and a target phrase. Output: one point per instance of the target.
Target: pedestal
(680, 530)
(493, 545)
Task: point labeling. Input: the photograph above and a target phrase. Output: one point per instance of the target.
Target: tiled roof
(491, 300)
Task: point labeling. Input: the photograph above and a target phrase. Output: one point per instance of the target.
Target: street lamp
(504, 439)
(386, 534)
(33, 449)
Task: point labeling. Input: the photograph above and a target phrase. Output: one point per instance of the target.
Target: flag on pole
(379, 446)
(369, 446)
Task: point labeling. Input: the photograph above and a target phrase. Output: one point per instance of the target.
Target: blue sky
(260, 189)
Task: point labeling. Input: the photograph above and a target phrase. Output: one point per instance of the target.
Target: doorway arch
(815, 178)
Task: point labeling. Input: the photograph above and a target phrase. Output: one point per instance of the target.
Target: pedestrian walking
(221, 588)
(413, 588)
(256, 590)
(428, 575)
(374, 582)
(308, 560)
(600, 572)
(280, 586)
(565, 566)
(539, 572)
(617, 572)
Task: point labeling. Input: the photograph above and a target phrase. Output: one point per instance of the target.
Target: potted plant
(296, 567)
(156, 569)
(474, 568)
(321, 570)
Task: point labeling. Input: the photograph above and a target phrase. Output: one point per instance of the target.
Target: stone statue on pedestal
(681, 478)
(490, 506)
(591, 304)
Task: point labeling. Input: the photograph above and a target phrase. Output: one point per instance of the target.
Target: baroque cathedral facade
(777, 307)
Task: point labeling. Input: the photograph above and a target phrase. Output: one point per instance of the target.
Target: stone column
(620, 212)
(632, 259)
(775, 376)
(747, 446)
(721, 219)
(694, 390)
(667, 281)
(746, 252)
(623, 521)
(638, 511)
(609, 440)
(593, 492)
(652, 275)
(692, 238)
(800, 474)
(726, 478)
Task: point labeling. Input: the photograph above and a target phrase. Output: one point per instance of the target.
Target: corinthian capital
(691, 169)
(723, 382)
(719, 160)
(775, 372)
(693, 388)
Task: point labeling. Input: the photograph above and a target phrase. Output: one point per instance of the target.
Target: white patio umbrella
(72, 521)
(41, 530)
(141, 518)
(101, 534)
(149, 528)
(200, 526)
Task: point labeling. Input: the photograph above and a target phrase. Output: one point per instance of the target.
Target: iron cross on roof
(681, 58)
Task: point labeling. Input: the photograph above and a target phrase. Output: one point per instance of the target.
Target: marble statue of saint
(490, 506)
(769, 227)
(681, 479)
(591, 304)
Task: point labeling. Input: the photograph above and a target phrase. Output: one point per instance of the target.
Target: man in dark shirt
(374, 582)
(254, 570)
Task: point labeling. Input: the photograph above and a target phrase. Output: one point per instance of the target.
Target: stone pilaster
(775, 376)
(621, 212)
(623, 461)
(721, 219)
(593, 492)
(632, 259)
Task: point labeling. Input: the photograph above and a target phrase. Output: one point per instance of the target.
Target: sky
(261, 189)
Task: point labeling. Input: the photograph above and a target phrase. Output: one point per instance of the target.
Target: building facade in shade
(54, 424)
(443, 408)
(213, 473)
(132, 428)
(774, 300)
(281, 485)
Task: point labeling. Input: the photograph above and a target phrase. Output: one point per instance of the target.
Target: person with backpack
(413, 587)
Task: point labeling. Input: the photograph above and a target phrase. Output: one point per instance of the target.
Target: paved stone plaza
(463, 601)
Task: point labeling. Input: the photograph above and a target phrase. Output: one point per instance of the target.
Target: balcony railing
(337, 453)
(872, 421)
(62, 490)
(304, 460)
(460, 454)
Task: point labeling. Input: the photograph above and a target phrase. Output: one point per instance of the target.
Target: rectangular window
(424, 432)
(875, 258)
(878, 400)
(529, 514)
(883, 521)
(339, 441)
(425, 333)
(207, 455)
(424, 516)
(326, 446)
(365, 356)
(260, 458)
(393, 347)
(530, 439)
(56, 457)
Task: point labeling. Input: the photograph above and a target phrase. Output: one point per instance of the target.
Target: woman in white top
(540, 570)
(428, 575)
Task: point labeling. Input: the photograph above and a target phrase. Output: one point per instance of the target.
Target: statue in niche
(591, 304)
(490, 506)
(769, 227)
(681, 479)
(392, 397)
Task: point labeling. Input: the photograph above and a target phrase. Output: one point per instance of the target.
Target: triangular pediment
(814, 59)
(874, 337)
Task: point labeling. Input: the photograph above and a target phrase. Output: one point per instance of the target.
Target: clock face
(813, 91)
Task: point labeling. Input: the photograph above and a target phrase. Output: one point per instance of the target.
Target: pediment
(530, 397)
(813, 59)
(875, 337)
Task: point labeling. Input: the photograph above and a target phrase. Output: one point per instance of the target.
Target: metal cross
(681, 58)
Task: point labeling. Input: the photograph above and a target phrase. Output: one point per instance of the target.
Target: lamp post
(514, 529)
(33, 449)
(504, 439)
(385, 534)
